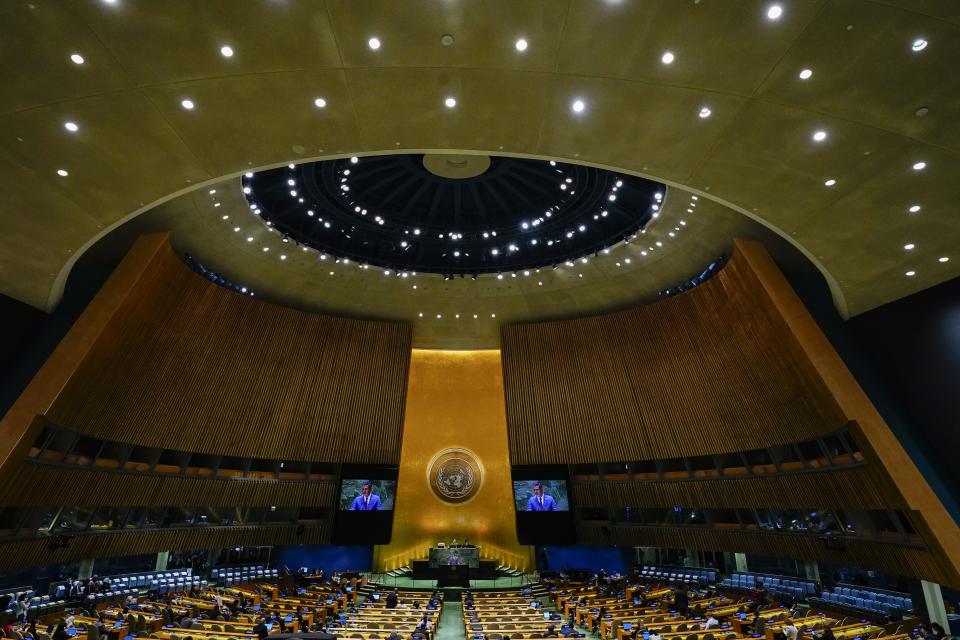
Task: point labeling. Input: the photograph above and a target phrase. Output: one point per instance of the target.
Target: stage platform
(407, 581)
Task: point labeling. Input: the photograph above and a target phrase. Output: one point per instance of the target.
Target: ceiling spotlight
(450, 102)
(63, 173)
(914, 208)
(76, 58)
(354, 160)
(830, 182)
(446, 39)
(919, 44)
(248, 174)
(806, 74)
(374, 43)
(667, 57)
(521, 45)
(910, 273)
(909, 246)
(943, 259)
(774, 12)
(187, 104)
(705, 112)
(226, 51)
(578, 106)
(71, 127)
(819, 136)
(319, 103)
(919, 166)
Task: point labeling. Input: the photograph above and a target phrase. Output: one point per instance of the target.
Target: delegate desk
(469, 556)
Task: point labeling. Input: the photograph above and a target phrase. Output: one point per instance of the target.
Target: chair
(93, 633)
(229, 628)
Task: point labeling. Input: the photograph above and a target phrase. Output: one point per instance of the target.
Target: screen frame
(361, 528)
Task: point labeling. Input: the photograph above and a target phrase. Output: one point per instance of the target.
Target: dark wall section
(29, 335)
(329, 558)
(914, 347)
(906, 356)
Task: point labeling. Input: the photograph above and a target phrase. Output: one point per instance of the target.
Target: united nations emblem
(454, 475)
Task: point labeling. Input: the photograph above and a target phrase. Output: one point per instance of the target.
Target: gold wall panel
(455, 400)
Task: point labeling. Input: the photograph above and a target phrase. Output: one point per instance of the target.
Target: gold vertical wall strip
(454, 399)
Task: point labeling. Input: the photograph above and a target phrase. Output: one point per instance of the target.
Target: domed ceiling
(829, 121)
(399, 213)
(677, 236)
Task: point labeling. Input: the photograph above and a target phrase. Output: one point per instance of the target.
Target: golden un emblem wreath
(454, 475)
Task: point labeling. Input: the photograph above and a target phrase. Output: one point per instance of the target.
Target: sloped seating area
(242, 575)
(873, 600)
(777, 586)
(679, 574)
(39, 605)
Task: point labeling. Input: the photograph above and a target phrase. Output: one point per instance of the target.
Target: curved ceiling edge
(57, 287)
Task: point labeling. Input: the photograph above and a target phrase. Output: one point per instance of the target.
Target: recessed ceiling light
(705, 112)
(187, 103)
(909, 246)
(283, 256)
(71, 127)
(319, 103)
(76, 58)
(667, 57)
(354, 160)
(819, 136)
(919, 44)
(919, 166)
(806, 74)
(830, 182)
(249, 238)
(226, 51)
(914, 208)
(774, 12)
(63, 173)
(943, 259)
(578, 106)
(910, 274)
(450, 102)
(521, 45)
(374, 43)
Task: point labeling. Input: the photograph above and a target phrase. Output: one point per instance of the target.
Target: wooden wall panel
(186, 363)
(26, 553)
(860, 488)
(46, 485)
(896, 559)
(711, 370)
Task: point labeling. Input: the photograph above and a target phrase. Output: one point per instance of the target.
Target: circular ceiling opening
(452, 214)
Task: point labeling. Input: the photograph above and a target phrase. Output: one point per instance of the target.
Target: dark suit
(541, 503)
(372, 503)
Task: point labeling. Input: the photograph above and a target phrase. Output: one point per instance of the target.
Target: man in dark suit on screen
(539, 501)
(367, 501)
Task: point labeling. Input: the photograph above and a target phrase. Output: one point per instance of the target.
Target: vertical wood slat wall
(35, 552)
(708, 371)
(45, 485)
(189, 364)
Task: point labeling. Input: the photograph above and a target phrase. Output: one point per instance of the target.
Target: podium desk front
(469, 556)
